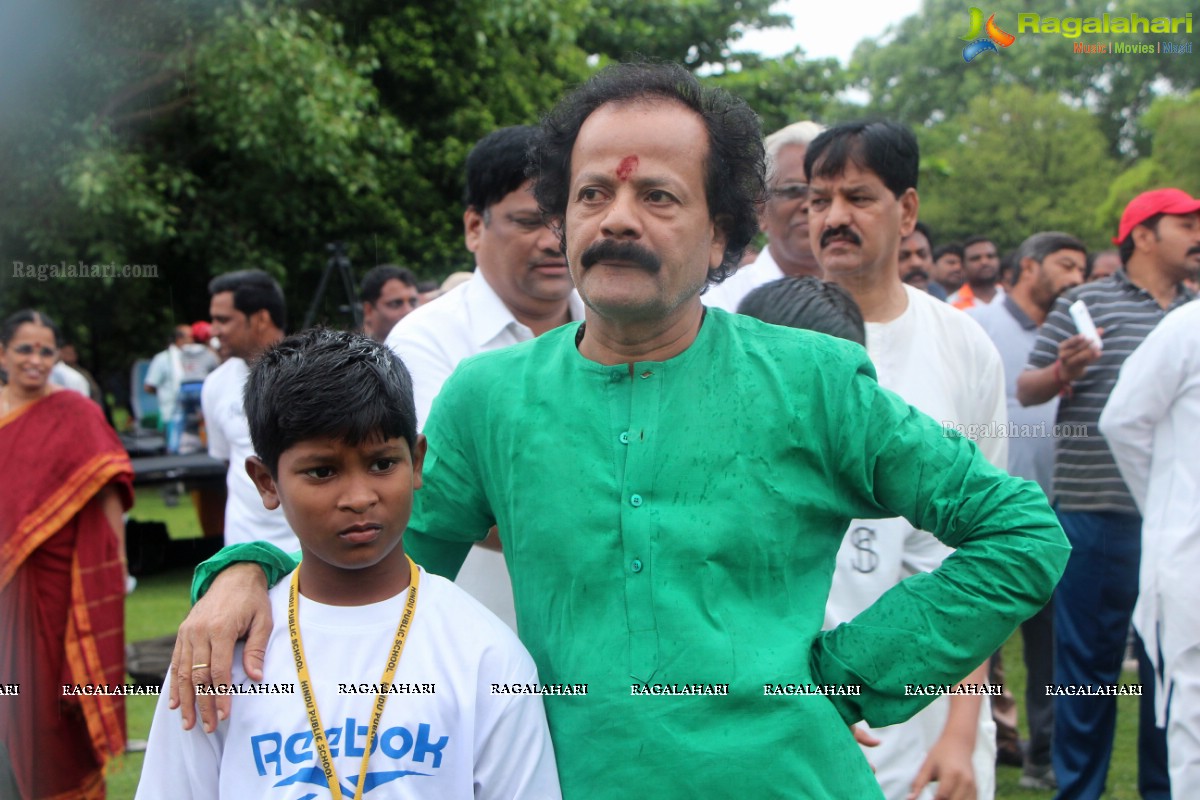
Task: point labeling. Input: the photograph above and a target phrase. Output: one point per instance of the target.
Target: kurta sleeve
(936, 627)
(274, 562)
(451, 510)
(1148, 385)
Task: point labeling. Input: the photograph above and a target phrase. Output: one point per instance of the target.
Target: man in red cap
(1159, 244)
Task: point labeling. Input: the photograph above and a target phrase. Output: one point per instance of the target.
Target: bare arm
(1037, 386)
(949, 760)
(110, 502)
(236, 605)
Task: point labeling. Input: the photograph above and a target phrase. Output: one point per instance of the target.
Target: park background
(203, 136)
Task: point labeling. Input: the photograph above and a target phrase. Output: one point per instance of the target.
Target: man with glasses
(784, 218)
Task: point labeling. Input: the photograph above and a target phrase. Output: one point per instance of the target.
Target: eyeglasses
(791, 191)
(28, 350)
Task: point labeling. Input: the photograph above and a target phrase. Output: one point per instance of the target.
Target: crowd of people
(789, 503)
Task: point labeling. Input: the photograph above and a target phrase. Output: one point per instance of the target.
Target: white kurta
(1152, 424)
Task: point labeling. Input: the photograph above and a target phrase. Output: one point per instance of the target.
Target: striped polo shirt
(1085, 475)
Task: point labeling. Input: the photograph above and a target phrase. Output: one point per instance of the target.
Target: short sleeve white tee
(246, 519)
(444, 733)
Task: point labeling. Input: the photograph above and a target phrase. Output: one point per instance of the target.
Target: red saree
(62, 596)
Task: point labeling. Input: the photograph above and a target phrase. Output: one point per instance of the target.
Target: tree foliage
(916, 72)
(1013, 163)
(786, 89)
(1170, 126)
(695, 33)
(202, 136)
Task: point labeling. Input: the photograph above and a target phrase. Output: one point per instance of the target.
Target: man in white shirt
(520, 290)
(784, 218)
(1152, 424)
(863, 202)
(248, 315)
(164, 376)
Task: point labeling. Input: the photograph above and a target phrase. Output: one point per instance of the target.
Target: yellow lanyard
(310, 700)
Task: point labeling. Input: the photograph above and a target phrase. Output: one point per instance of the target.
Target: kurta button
(635, 500)
(636, 565)
(624, 437)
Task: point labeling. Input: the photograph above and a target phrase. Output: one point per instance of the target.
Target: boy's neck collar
(353, 587)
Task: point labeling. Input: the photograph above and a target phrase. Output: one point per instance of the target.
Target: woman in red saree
(65, 481)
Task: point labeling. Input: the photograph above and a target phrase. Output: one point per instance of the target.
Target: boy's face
(348, 505)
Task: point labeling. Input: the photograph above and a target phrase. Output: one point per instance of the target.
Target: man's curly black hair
(734, 182)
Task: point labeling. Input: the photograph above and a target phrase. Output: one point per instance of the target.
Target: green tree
(694, 33)
(1014, 163)
(916, 72)
(207, 135)
(1170, 126)
(786, 89)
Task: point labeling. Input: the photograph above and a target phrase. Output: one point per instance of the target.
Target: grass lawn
(161, 602)
(1122, 773)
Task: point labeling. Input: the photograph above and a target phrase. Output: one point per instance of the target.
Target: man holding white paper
(1159, 241)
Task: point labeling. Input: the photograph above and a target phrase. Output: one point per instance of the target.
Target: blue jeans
(1092, 608)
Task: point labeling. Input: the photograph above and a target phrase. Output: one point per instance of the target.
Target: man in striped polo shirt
(1159, 240)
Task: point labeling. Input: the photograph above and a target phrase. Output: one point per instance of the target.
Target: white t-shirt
(246, 519)
(175, 366)
(728, 293)
(431, 341)
(163, 376)
(67, 376)
(459, 740)
(941, 362)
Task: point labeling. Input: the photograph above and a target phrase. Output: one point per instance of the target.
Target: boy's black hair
(325, 383)
(809, 303)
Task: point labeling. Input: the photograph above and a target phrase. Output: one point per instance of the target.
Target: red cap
(1159, 201)
(201, 331)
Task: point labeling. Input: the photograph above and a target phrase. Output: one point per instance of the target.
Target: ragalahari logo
(982, 44)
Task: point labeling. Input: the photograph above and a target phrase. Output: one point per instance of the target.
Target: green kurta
(676, 523)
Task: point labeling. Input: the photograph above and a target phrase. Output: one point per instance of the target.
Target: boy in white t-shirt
(332, 420)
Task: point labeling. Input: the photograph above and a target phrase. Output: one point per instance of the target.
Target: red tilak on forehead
(627, 167)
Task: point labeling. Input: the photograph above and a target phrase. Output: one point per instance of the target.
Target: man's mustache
(1195, 251)
(611, 250)
(842, 232)
(915, 274)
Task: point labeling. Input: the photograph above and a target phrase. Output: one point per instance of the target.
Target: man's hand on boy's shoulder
(236, 605)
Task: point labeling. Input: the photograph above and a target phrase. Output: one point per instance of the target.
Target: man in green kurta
(671, 487)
